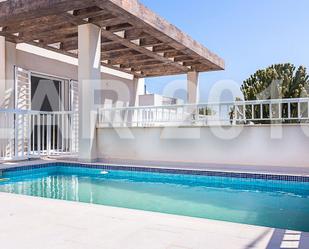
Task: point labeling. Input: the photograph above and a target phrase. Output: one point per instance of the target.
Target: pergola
(134, 39)
(119, 34)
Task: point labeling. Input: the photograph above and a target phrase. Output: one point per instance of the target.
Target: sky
(248, 35)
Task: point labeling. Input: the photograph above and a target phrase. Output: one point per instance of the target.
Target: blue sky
(248, 35)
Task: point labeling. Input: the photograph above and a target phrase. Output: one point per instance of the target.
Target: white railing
(224, 113)
(29, 134)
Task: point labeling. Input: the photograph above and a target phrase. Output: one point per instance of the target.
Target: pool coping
(154, 169)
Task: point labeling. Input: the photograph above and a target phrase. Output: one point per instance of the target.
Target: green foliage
(280, 81)
(276, 82)
(206, 111)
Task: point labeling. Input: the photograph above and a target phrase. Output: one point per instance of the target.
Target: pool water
(269, 203)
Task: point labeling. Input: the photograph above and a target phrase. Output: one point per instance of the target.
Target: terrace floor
(30, 222)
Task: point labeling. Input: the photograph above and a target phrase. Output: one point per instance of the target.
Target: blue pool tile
(289, 178)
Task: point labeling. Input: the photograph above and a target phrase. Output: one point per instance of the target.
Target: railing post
(252, 109)
(48, 127)
(54, 133)
(16, 135)
(39, 134)
(244, 112)
(308, 108)
(29, 135)
(70, 127)
(23, 135)
(298, 111)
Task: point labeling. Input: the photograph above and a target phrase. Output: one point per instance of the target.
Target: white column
(11, 62)
(138, 89)
(7, 63)
(2, 70)
(89, 75)
(192, 87)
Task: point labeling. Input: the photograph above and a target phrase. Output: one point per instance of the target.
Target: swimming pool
(227, 197)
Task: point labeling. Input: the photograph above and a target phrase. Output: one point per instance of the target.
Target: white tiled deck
(37, 223)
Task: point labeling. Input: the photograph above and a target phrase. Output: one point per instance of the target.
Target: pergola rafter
(134, 39)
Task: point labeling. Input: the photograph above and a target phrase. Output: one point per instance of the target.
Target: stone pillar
(138, 89)
(192, 88)
(89, 75)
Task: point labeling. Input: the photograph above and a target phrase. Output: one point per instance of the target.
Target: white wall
(157, 100)
(115, 88)
(150, 100)
(253, 146)
(7, 86)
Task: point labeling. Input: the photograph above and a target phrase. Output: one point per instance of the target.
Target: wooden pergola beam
(34, 25)
(114, 50)
(107, 22)
(141, 63)
(62, 31)
(72, 43)
(152, 72)
(60, 38)
(20, 10)
(136, 74)
(138, 60)
(122, 59)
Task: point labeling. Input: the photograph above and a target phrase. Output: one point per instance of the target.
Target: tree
(276, 82)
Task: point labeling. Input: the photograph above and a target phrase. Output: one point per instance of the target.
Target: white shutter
(22, 89)
(22, 120)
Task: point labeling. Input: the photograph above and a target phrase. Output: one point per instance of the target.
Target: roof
(134, 39)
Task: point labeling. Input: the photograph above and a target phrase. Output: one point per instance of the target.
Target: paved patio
(29, 222)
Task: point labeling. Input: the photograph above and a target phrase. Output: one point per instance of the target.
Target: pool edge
(155, 169)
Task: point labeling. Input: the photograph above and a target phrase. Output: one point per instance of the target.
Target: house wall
(252, 145)
(157, 100)
(7, 61)
(150, 100)
(114, 89)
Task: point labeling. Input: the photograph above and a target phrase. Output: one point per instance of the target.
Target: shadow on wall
(284, 239)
